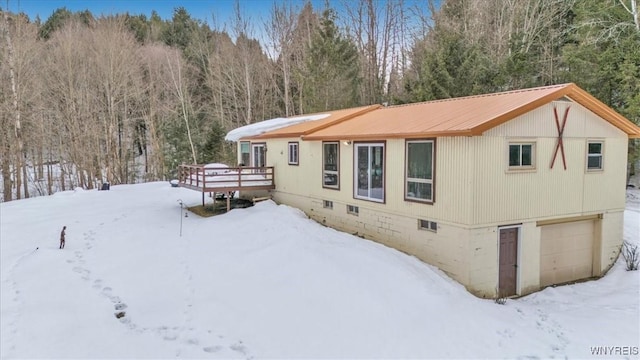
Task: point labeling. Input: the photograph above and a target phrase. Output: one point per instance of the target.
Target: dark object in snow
(631, 186)
(631, 255)
(62, 234)
(105, 186)
(120, 314)
(174, 183)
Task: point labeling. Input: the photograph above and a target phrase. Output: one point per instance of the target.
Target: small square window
(327, 204)
(353, 210)
(594, 155)
(521, 156)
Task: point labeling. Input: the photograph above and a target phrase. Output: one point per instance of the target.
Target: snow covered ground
(266, 282)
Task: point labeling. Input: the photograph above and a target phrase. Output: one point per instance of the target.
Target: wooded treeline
(126, 98)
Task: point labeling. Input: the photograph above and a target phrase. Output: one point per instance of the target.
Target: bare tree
(280, 30)
(157, 106)
(20, 166)
(175, 65)
(117, 75)
(376, 28)
(633, 11)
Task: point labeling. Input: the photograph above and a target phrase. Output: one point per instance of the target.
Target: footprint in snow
(80, 270)
(212, 349)
(239, 347)
(170, 337)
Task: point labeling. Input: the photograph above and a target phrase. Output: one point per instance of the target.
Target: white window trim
(407, 179)
(534, 157)
(586, 165)
(355, 171)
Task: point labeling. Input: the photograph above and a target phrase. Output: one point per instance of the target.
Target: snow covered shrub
(631, 255)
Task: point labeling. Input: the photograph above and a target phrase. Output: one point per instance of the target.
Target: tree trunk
(19, 166)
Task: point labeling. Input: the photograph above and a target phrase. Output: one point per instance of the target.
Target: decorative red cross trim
(560, 145)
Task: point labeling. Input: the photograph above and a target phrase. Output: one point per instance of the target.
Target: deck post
(202, 198)
(228, 202)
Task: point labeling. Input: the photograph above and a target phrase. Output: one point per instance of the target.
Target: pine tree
(332, 69)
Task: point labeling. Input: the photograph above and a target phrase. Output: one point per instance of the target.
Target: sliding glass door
(369, 171)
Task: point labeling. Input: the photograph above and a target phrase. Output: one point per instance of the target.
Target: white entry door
(259, 155)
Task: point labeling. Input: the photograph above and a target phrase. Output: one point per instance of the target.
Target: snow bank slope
(263, 282)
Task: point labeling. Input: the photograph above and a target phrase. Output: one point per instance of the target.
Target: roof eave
(276, 135)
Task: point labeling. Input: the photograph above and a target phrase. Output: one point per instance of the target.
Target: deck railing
(211, 179)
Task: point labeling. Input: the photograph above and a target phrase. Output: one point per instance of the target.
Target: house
(507, 193)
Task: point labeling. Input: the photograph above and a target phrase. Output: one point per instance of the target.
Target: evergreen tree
(332, 69)
(603, 57)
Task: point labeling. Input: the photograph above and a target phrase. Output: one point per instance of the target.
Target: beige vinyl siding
(452, 184)
(501, 196)
(540, 122)
(606, 190)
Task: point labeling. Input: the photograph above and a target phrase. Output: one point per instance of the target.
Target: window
(427, 225)
(327, 204)
(420, 170)
(245, 153)
(369, 172)
(521, 156)
(331, 165)
(353, 210)
(594, 155)
(293, 153)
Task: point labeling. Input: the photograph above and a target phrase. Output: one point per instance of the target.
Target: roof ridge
(559, 86)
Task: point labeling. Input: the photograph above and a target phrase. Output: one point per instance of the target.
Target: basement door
(508, 261)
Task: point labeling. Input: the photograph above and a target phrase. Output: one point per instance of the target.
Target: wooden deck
(225, 180)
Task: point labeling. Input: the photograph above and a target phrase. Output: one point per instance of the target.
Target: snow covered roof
(269, 125)
(297, 125)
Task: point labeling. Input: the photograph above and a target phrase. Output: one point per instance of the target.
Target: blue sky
(200, 9)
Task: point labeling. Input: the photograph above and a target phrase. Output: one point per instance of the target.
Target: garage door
(566, 252)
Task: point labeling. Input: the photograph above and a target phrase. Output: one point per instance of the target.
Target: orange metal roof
(308, 127)
(466, 116)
